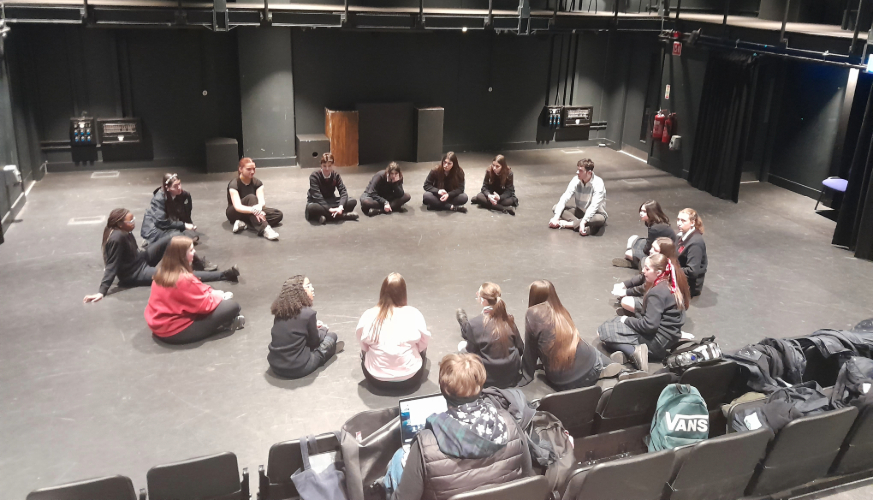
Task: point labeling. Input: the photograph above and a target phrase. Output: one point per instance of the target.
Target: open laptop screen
(414, 413)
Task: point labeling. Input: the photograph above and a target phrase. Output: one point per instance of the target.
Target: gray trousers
(574, 215)
(206, 326)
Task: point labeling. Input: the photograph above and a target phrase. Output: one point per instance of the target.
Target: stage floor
(85, 391)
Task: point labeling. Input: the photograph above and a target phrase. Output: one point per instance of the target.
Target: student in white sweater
(582, 207)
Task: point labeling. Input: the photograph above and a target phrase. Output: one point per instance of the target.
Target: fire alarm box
(577, 116)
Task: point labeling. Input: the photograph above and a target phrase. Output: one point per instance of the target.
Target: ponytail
(504, 323)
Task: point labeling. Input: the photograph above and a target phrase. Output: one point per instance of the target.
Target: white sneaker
(270, 234)
(239, 226)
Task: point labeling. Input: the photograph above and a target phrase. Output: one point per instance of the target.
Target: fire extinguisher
(668, 128)
(658, 130)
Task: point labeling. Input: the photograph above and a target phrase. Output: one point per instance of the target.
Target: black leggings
(433, 201)
(483, 201)
(367, 203)
(315, 210)
(154, 253)
(206, 326)
(317, 356)
(387, 385)
(273, 215)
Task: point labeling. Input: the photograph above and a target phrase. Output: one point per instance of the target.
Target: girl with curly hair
(300, 342)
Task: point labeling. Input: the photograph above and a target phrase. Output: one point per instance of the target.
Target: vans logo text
(687, 423)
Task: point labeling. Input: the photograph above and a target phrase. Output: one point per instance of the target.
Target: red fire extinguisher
(658, 130)
(668, 128)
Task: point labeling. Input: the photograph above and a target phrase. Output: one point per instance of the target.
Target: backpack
(854, 380)
(681, 418)
(551, 448)
(688, 353)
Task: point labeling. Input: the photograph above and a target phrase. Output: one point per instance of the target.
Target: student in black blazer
(630, 292)
(658, 226)
(659, 325)
(692, 249)
(384, 194)
(327, 198)
(300, 343)
(498, 188)
(493, 337)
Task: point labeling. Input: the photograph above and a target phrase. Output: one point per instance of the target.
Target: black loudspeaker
(222, 155)
(429, 134)
(310, 147)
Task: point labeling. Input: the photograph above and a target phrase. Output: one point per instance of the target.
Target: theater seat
(643, 477)
(284, 460)
(713, 381)
(802, 451)
(705, 474)
(529, 488)
(104, 488)
(574, 408)
(215, 477)
(856, 454)
(629, 403)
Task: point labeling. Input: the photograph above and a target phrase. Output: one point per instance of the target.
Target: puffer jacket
(445, 476)
(156, 222)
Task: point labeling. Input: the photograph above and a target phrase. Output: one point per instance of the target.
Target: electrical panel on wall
(552, 116)
(82, 132)
(577, 116)
(120, 130)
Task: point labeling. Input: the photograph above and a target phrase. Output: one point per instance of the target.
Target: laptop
(414, 413)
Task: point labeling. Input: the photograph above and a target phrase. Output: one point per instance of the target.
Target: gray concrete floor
(86, 392)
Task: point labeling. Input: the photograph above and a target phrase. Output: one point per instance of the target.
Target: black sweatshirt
(658, 231)
(692, 258)
(383, 191)
(433, 185)
(539, 331)
(293, 340)
(122, 258)
(502, 365)
(507, 191)
(322, 190)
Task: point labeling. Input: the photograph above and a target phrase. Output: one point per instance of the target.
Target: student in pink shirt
(181, 309)
(393, 339)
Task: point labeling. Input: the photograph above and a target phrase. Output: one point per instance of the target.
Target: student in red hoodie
(181, 309)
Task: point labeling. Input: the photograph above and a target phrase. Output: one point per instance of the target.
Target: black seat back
(529, 488)
(856, 453)
(643, 477)
(215, 477)
(104, 488)
(713, 382)
(283, 461)
(631, 402)
(802, 451)
(574, 408)
(720, 468)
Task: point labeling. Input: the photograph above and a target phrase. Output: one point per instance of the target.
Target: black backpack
(688, 353)
(854, 380)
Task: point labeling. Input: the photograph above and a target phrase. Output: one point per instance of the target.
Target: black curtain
(855, 222)
(722, 125)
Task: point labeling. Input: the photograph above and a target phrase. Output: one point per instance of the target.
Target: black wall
(452, 70)
(157, 75)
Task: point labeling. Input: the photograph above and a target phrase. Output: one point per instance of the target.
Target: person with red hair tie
(658, 327)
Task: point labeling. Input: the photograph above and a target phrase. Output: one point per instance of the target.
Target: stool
(310, 147)
(833, 183)
(222, 155)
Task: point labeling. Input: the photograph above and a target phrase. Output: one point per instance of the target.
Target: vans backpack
(681, 418)
(688, 353)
